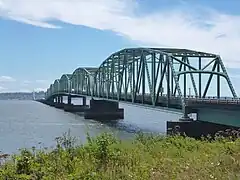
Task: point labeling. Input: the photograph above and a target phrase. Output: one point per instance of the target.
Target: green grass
(145, 157)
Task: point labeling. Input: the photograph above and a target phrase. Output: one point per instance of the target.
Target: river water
(24, 124)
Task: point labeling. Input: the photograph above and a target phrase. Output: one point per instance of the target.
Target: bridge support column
(59, 99)
(69, 99)
(50, 102)
(185, 116)
(58, 102)
(84, 101)
(69, 107)
(104, 110)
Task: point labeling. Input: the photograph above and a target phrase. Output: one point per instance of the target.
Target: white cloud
(236, 76)
(26, 82)
(2, 88)
(41, 81)
(21, 85)
(7, 79)
(209, 31)
(40, 89)
(33, 22)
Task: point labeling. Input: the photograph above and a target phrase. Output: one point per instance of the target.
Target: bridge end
(197, 129)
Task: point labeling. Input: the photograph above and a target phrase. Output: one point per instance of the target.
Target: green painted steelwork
(144, 75)
(222, 116)
(56, 85)
(81, 80)
(65, 83)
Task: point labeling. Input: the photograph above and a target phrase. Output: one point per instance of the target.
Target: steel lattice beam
(156, 76)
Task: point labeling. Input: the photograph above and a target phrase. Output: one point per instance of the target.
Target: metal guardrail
(189, 99)
(214, 101)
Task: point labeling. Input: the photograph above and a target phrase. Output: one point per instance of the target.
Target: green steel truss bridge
(165, 77)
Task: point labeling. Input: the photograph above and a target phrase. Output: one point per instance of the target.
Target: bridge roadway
(207, 109)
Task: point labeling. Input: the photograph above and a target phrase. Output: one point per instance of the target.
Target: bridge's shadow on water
(138, 119)
(121, 125)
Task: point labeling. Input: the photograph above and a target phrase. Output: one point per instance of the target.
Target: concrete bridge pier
(186, 112)
(84, 100)
(59, 105)
(69, 107)
(50, 103)
(211, 119)
(197, 129)
(69, 101)
(104, 110)
(59, 99)
(58, 102)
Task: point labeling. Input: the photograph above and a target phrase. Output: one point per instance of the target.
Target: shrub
(145, 157)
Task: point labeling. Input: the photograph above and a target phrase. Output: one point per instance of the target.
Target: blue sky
(41, 40)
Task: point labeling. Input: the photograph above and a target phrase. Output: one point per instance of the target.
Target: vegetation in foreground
(146, 157)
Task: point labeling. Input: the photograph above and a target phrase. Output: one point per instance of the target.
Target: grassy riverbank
(106, 157)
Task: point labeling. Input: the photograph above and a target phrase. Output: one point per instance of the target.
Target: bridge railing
(190, 99)
(214, 101)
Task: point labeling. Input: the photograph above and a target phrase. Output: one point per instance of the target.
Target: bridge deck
(174, 101)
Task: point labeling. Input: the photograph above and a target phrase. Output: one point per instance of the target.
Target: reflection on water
(26, 123)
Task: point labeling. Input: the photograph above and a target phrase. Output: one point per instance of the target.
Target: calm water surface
(24, 124)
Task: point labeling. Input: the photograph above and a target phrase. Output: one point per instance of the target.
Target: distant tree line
(21, 95)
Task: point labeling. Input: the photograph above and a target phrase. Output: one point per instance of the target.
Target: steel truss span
(156, 76)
